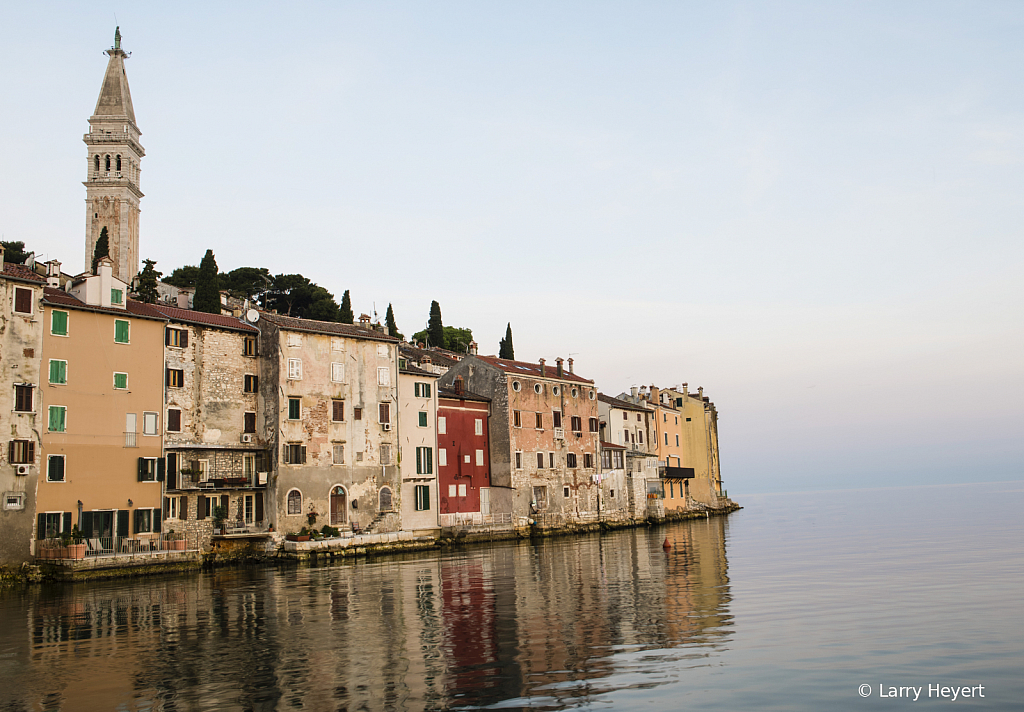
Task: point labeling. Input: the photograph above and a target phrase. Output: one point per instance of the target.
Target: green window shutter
(41, 527)
(142, 470)
(66, 524)
(423, 419)
(56, 423)
(428, 455)
(416, 390)
(426, 497)
(160, 469)
(121, 380)
(294, 409)
(121, 331)
(157, 516)
(426, 394)
(419, 461)
(54, 373)
(85, 524)
(59, 323)
(137, 520)
(122, 522)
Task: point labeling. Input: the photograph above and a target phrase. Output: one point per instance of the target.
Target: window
(577, 424)
(248, 465)
(338, 372)
(149, 423)
(442, 425)
(666, 438)
(295, 369)
(570, 459)
(625, 436)
(687, 420)
(551, 460)
(479, 458)
(338, 411)
(178, 338)
(143, 521)
(617, 459)
(442, 457)
(591, 395)
(611, 493)
(51, 524)
(638, 417)
(148, 469)
(575, 393)
(384, 412)
(174, 420)
(516, 386)
(537, 388)
(540, 421)
(424, 461)
(664, 417)
(22, 300)
(117, 296)
(540, 461)
(121, 381)
(606, 459)
(58, 372)
(423, 419)
(250, 383)
(640, 437)
(422, 498)
(249, 422)
(588, 460)
(339, 453)
(21, 452)
(385, 499)
(58, 418)
(337, 343)
(677, 441)
(357, 413)
(171, 507)
(422, 390)
(249, 346)
(519, 460)
(554, 390)
(175, 378)
(385, 454)
(23, 398)
(294, 502)
(383, 376)
(59, 323)
(122, 331)
(593, 425)
(677, 419)
(294, 409)
(478, 427)
(565, 491)
(294, 340)
(14, 500)
(517, 419)
(294, 454)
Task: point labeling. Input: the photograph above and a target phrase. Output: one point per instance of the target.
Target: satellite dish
(252, 316)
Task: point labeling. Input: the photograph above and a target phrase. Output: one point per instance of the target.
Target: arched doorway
(338, 509)
(385, 499)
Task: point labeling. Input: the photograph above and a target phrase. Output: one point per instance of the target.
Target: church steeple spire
(114, 160)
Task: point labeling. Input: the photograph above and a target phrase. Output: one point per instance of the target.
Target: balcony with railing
(131, 440)
(186, 480)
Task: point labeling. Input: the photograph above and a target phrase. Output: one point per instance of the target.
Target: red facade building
(463, 451)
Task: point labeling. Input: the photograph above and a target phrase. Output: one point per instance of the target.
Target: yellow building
(102, 399)
(699, 438)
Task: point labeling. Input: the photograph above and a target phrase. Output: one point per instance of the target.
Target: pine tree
(102, 248)
(435, 329)
(345, 315)
(389, 319)
(207, 298)
(148, 277)
(505, 349)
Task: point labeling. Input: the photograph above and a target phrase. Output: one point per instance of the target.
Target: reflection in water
(542, 624)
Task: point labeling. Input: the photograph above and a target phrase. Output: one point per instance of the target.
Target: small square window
(59, 323)
(250, 383)
(423, 419)
(175, 378)
(294, 409)
(339, 454)
(21, 452)
(116, 296)
(55, 468)
(178, 338)
(174, 420)
(338, 372)
(22, 300)
(121, 381)
(122, 331)
(150, 422)
(57, 422)
(338, 411)
(23, 398)
(249, 422)
(295, 369)
(58, 372)
(249, 346)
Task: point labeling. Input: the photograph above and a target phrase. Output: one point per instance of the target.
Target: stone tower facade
(114, 170)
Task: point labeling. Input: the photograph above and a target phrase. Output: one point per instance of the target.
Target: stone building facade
(329, 397)
(627, 436)
(544, 437)
(418, 453)
(216, 453)
(21, 335)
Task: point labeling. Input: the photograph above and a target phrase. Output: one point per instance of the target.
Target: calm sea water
(792, 603)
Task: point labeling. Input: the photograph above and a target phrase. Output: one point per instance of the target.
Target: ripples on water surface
(790, 603)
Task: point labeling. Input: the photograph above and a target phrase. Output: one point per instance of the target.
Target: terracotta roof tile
(447, 392)
(190, 316)
(621, 404)
(524, 368)
(60, 298)
(612, 446)
(21, 272)
(354, 331)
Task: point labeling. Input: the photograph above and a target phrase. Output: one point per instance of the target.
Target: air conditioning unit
(387, 426)
(247, 437)
(23, 469)
(261, 478)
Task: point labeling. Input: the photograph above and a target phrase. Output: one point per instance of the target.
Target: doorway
(338, 510)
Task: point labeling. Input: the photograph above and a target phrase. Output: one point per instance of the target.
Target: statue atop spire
(117, 37)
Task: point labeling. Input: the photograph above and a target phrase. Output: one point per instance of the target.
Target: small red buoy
(666, 545)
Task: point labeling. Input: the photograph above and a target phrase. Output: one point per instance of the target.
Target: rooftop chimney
(473, 347)
(633, 390)
(655, 394)
(570, 364)
(700, 392)
(1, 258)
(558, 366)
(457, 385)
(425, 361)
(543, 371)
(686, 389)
(364, 319)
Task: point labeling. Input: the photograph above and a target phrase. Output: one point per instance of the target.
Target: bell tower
(112, 192)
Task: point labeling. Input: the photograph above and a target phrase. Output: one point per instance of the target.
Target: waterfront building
(627, 435)
(329, 392)
(101, 404)
(434, 360)
(114, 171)
(21, 337)
(544, 437)
(699, 431)
(418, 449)
(464, 452)
(216, 455)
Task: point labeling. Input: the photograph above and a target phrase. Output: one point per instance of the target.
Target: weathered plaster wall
(413, 436)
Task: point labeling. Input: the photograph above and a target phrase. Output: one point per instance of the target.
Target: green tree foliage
(435, 329)
(456, 339)
(389, 320)
(207, 298)
(148, 277)
(183, 277)
(294, 295)
(14, 252)
(345, 314)
(102, 248)
(247, 282)
(505, 349)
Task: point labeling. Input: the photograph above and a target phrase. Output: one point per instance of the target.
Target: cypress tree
(345, 315)
(505, 349)
(207, 297)
(389, 320)
(148, 277)
(435, 329)
(102, 248)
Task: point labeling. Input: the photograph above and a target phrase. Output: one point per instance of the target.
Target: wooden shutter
(41, 527)
(135, 519)
(172, 470)
(23, 300)
(302, 454)
(184, 338)
(159, 469)
(142, 471)
(85, 524)
(10, 451)
(157, 517)
(201, 507)
(259, 506)
(167, 377)
(183, 508)
(122, 522)
(419, 461)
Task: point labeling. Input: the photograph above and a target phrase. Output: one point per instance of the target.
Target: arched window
(385, 499)
(96, 162)
(294, 502)
(118, 163)
(107, 164)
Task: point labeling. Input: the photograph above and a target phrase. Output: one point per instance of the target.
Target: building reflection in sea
(548, 623)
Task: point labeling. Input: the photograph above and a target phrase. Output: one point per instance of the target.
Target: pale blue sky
(813, 210)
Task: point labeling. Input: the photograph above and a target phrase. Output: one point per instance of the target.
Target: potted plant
(174, 541)
(75, 548)
(219, 515)
(301, 535)
(330, 532)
